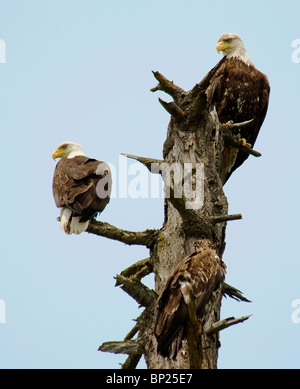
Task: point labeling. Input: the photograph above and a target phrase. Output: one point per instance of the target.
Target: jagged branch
(224, 218)
(166, 86)
(132, 361)
(132, 332)
(144, 238)
(198, 92)
(128, 346)
(143, 295)
(152, 164)
(139, 269)
(173, 109)
(233, 292)
(135, 349)
(235, 127)
(122, 347)
(225, 323)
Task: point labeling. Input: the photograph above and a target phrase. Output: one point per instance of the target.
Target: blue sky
(81, 71)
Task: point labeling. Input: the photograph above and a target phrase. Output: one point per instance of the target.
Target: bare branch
(139, 269)
(132, 361)
(148, 162)
(166, 86)
(122, 347)
(132, 332)
(225, 323)
(144, 238)
(246, 149)
(137, 290)
(238, 126)
(173, 109)
(224, 218)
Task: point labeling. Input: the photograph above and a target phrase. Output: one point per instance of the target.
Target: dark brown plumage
(201, 273)
(239, 92)
(74, 186)
(81, 188)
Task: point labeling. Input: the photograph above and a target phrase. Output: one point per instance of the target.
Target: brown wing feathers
(239, 92)
(74, 186)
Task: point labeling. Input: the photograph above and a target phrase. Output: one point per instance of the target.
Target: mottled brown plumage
(201, 273)
(239, 92)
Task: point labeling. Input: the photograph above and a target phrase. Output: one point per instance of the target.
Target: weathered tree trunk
(195, 139)
(192, 139)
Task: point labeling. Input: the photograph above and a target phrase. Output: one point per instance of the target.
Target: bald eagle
(81, 187)
(238, 92)
(201, 273)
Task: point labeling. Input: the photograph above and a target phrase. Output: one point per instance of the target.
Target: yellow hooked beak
(222, 45)
(57, 153)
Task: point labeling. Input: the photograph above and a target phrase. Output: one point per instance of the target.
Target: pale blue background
(81, 71)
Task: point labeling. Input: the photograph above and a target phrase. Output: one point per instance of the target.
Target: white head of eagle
(232, 46)
(81, 187)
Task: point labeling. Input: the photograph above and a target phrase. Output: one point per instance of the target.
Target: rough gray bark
(190, 138)
(194, 136)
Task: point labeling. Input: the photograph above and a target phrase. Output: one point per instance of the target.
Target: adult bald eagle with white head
(81, 187)
(238, 92)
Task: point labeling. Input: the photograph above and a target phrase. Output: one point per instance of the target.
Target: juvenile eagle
(81, 187)
(238, 92)
(201, 273)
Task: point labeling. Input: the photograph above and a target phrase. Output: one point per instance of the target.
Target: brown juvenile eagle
(201, 273)
(81, 187)
(238, 92)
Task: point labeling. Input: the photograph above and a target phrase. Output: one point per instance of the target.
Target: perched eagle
(81, 187)
(238, 92)
(201, 273)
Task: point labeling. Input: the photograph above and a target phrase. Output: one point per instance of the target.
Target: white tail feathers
(65, 215)
(71, 225)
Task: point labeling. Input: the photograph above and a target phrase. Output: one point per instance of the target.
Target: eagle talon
(244, 143)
